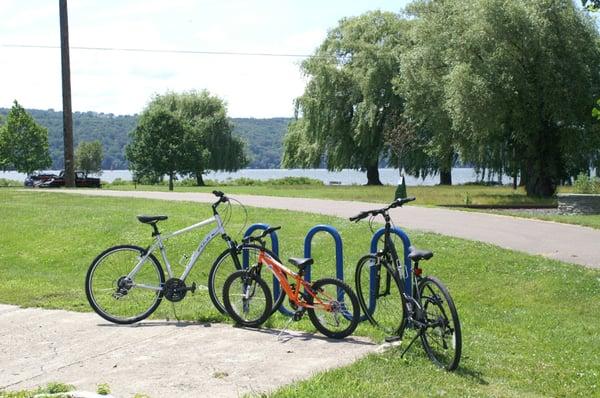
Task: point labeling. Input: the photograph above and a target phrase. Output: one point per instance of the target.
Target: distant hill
(263, 137)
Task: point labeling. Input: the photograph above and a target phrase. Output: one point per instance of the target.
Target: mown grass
(587, 220)
(458, 195)
(529, 324)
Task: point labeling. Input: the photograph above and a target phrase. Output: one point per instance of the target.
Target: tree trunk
(543, 168)
(373, 175)
(445, 177)
(446, 169)
(199, 180)
(515, 180)
(171, 181)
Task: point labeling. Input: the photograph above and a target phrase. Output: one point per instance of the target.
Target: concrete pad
(158, 358)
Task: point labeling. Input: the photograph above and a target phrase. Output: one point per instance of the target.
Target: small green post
(401, 190)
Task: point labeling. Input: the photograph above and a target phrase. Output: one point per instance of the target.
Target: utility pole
(66, 93)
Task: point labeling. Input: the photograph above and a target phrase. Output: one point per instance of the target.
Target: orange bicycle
(331, 304)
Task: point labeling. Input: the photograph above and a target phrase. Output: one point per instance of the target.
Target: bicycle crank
(175, 289)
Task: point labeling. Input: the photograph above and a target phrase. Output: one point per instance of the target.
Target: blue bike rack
(407, 264)
(339, 255)
(274, 249)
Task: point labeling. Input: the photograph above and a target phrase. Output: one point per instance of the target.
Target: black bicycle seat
(417, 254)
(151, 219)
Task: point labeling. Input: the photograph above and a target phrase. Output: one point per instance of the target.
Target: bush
(119, 181)
(10, 183)
(585, 184)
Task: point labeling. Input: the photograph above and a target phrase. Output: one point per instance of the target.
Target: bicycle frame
(281, 272)
(159, 244)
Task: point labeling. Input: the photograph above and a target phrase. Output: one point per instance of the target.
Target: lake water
(345, 177)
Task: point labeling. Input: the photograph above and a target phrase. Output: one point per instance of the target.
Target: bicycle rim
(442, 338)
(380, 295)
(247, 298)
(116, 298)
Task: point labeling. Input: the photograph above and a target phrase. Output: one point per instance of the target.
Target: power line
(150, 50)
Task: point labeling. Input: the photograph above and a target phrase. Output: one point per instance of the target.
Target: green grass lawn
(530, 325)
(426, 195)
(588, 220)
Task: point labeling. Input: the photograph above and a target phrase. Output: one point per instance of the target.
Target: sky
(123, 82)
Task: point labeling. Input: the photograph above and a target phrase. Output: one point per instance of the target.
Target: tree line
(263, 137)
(507, 86)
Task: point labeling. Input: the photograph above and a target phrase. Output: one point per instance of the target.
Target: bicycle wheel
(247, 298)
(226, 264)
(380, 295)
(335, 311)
(113, 295)
(442, 339)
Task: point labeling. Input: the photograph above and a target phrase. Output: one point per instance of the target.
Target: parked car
(34, 180)
(81, 181)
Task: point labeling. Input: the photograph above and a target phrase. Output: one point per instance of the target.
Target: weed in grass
(103, 389)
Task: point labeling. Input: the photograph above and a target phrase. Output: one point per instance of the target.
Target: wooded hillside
(263, 137)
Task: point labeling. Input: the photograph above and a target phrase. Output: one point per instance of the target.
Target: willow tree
(349, 98)
(516, 81)
(197, 137)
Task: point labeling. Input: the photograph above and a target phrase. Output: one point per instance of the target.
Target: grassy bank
(528, 322)
(459, 195)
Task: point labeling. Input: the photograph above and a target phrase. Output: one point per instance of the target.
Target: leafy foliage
(23, 142)
(187, 134)
(585, 184)
(88, 157)
(349, 98)
(512, 81)
(592, 5)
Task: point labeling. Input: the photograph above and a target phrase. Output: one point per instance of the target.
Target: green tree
(89, 156)
(516, 80)
(23, 143)
(349, 98)
(187, 134)
(157, 145)
(592, 5)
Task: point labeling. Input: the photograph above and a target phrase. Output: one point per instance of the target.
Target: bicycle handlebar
(260, 237)
(396, 203)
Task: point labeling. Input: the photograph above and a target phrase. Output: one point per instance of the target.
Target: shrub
(585, 184)
(10, 183)
(119, 181)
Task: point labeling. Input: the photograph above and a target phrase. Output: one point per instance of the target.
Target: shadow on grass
(472, 375)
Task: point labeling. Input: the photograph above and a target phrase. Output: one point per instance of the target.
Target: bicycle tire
(132, 304)
(244, 289)
(444, 343)
(344, 317)
(388, 310)
(225, 265)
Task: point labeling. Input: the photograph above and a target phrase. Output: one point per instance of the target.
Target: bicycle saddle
(301, 263)
(151, 219)
(417, 254)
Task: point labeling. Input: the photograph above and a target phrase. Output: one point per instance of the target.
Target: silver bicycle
(126, 283)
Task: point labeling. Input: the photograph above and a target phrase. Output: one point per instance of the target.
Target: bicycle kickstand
(284, 330)
(410, 344)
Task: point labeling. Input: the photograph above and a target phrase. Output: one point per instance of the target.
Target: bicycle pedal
(191, 288)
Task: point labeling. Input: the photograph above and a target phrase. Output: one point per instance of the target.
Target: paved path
(160, 359)
(564, 242)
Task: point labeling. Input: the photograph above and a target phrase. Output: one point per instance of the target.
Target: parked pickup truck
(81, 181)
(34, 180)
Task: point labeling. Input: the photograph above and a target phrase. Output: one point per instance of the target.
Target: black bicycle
(428, 309)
